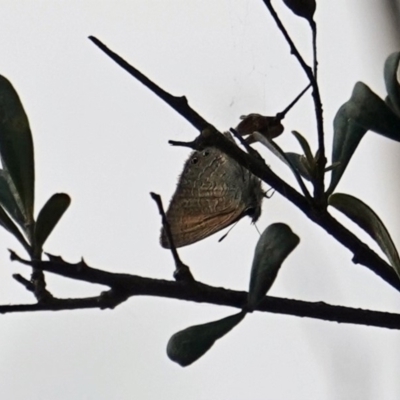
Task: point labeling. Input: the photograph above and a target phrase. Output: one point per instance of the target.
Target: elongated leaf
(346, 137)
(187, 346)
(275, 149)
(7, 223)
(49, 216)
(16, 146)
(391, 82)
(305, 146)
(367, 219)
(372, 113)
(299, 162)
(302, 8)
(9, 198)
(274, 245)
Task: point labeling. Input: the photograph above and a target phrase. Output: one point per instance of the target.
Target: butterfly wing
(211, 195)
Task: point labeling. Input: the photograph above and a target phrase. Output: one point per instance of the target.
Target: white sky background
(102, 137)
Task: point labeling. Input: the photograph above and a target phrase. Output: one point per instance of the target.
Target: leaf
(275, 244)
(367, 219)
(7, 223)
(187, 346)
(16, 146)
(49, 216)
(391, 82)
(300, 163)
(275, 149)
(302, 8)
(347, 134)
(305, 146)
(372, 113)
(9, 198)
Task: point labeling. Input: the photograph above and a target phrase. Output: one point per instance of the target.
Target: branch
(182, 271)
(124, 286)
(179, 104)
(362, 253)
(54, 305)
(321, 161)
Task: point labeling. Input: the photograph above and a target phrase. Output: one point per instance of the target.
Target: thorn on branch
(54, 258)
(15, 257)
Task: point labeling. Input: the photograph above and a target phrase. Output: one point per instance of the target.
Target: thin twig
(321, 161)
(182, 271)
(37, 285)
(179, 104)
(57, 305)
(313, 26)
(283, 113)
(28, 285)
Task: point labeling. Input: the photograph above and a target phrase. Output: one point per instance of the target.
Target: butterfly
(213, 192)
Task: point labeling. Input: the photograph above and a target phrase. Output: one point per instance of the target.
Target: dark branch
(36, 287)
(39, 284)
(126, 285)
(182, 271)
(363, 254)
(179, 104)
(55, 305)
(28, 285)
(321, 161)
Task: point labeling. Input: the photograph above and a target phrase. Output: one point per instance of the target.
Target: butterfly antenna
(282, 114)
(257, 229)
(226, 234)
(269, 193)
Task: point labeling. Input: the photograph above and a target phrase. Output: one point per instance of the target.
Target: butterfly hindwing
(213, 192)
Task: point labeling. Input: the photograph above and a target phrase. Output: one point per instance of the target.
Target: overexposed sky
(102, 137)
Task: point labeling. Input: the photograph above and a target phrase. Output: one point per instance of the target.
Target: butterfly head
(254, 197)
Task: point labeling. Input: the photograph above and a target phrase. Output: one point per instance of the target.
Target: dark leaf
(372, 113)
(274, 245)
(366, 219)
(305, 147)
(49, 216)
(299, 162)
(16, 146)
(346, 137)
(10, 199)
(391, 82)
(7, 223)
(302, 8)
(275, 149)
(187, 346)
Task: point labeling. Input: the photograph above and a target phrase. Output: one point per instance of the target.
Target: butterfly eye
(194, 160)
(206, 153)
